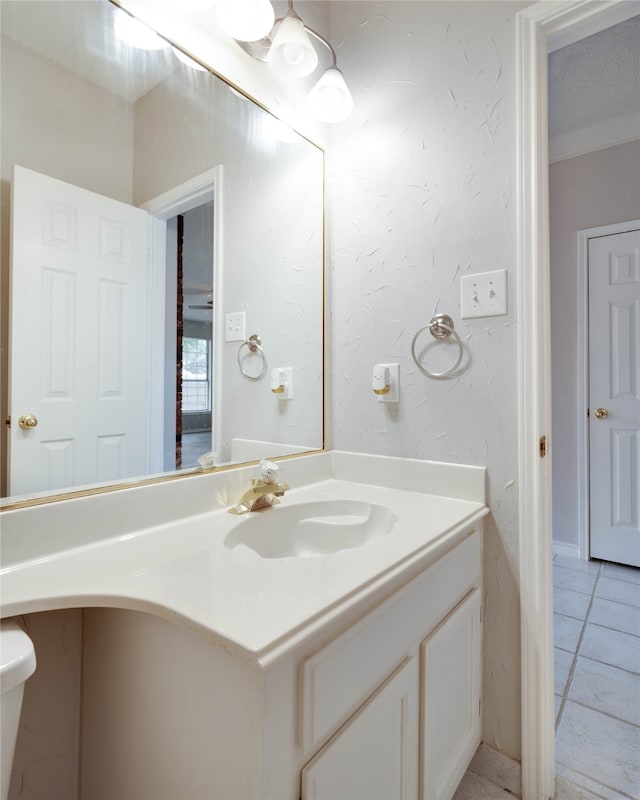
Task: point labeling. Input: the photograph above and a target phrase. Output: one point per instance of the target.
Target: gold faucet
(260, 495)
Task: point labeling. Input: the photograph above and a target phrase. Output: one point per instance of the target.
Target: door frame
(205, 187)
(540, 28)
(584, 469)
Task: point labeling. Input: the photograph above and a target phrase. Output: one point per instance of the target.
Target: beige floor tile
(566, 632)
(570, 785)
(611, 647)
(562, 661)
(619, 591)
(618, 616)
(475, 787)
(608, 689)
(577, 564)
(622, 572)
(573, 579)
(498, 768)
(603, 749)
(570, 603)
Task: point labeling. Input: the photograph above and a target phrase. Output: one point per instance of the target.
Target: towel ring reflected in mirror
(253, 345)
(440, 327)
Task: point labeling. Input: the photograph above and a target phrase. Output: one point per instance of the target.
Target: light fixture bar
(334, 57)
(330, 99)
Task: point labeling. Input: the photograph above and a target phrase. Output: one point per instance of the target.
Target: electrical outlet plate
(394, 381)
(483, 294)
(235, 325)
(288, 372)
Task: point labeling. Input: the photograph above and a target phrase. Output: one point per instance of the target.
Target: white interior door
(79, 336)
(614, 397)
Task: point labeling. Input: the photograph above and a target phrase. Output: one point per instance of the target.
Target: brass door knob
(27, 421)
(601, 413)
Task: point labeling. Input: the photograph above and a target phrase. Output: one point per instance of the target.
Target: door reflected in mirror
(159, 220)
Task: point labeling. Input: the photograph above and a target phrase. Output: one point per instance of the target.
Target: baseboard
(565, 549)
(497, 768)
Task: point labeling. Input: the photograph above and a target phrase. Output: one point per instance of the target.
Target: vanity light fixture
(188, 60)
(186, 6)
(245, 20)
(291, 52)
(136, 33)
(288, 47)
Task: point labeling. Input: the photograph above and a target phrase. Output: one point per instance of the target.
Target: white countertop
(254, 607)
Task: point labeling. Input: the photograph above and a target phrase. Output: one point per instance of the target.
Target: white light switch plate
(235, 327)
(483, 294)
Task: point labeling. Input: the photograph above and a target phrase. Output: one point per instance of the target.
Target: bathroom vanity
(210, 670)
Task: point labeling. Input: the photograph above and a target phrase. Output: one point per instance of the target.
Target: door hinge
(543, 446)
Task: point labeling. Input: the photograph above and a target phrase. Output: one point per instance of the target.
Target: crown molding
(608, 133)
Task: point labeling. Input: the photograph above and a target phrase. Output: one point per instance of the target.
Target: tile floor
(597, 677)
(597, 685)
(194, 445)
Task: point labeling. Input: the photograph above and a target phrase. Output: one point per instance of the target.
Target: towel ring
(440, 327)
(253, 343)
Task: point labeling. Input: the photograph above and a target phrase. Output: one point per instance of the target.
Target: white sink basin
(311, 529)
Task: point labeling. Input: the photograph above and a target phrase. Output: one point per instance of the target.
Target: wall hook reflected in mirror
(253, 345)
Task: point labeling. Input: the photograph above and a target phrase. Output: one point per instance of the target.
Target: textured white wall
(575, 204)
(272, 217)
(422, 191)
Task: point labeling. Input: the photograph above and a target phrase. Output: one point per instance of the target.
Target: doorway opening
(187, 269)
(593, 147)
(194, 311)
(541, 29)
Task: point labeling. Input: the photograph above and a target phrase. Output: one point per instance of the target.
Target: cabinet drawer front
(375, 755)
(340, 676)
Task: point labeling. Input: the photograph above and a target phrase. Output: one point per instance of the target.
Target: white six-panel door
(614, 397)
(79, 336)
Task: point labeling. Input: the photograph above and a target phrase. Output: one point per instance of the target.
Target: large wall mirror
(165, 253)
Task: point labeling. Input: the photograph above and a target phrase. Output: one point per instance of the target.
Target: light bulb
(292, 52)
(330, 99)
(186, 6)
(188, 60)
(136, 33)
(245, 20)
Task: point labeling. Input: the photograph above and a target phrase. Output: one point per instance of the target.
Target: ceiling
(85, 44)
(596, 80)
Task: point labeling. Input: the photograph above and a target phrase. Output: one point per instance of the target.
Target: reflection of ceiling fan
(208, 306)
(208, 303)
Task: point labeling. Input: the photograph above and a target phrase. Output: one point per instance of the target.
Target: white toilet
(17, 663)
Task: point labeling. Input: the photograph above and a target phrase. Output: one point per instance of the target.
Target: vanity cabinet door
(374, 756)
(451, 685)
